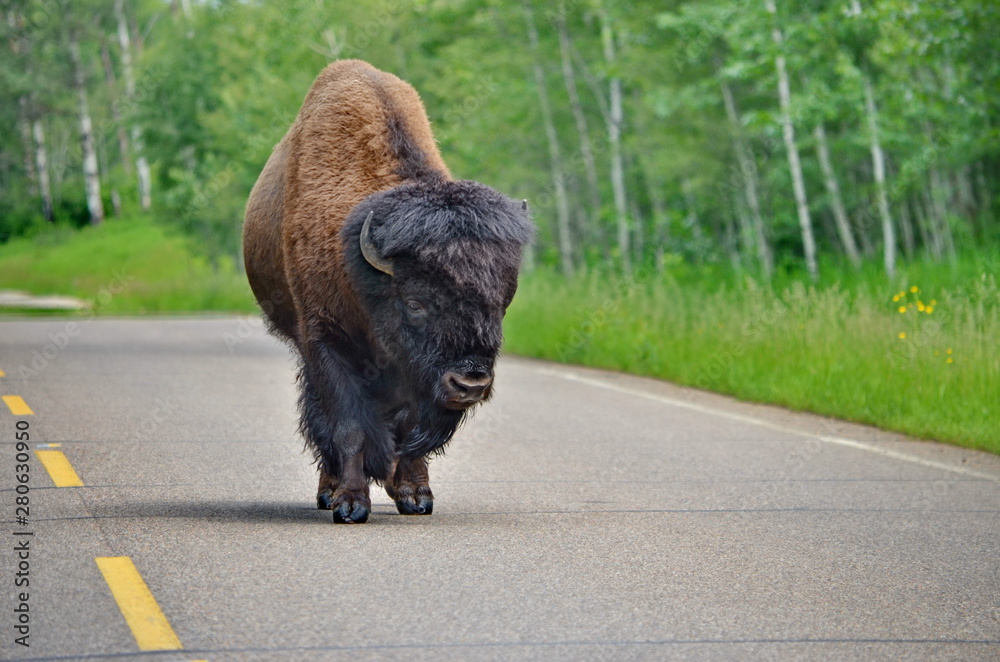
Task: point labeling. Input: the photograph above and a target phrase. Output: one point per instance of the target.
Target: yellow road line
(17, 405)
(59, 468)
(149, 625)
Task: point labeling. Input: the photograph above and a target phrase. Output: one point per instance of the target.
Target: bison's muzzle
(463, 391)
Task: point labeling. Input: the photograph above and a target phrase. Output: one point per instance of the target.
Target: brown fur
(327, 163)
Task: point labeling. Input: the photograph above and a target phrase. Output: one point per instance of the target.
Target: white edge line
(840, 441)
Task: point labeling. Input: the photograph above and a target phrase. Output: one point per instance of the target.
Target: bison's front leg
(410, 487)
(351, 443)
(351, 502)
(324, 493)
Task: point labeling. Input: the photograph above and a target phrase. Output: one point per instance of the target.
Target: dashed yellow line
(17, 405)
(60, 470)
(147, 621)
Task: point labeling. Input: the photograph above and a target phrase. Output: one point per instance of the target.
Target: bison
(388, 277)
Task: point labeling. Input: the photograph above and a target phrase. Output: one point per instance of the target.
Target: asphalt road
(580, 516)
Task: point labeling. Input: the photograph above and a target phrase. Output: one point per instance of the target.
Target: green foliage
(216, 89)
(127, 266)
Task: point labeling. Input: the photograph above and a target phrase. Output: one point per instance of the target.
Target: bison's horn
(370, 252)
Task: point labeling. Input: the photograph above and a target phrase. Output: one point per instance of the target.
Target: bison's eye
(416, 311)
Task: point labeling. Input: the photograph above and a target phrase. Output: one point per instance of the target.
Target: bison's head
(435, 265)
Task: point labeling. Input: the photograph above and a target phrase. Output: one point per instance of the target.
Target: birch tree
(615, 119)
(878, 170)
(42, 168)
(794, 165)
(555, 153)
(843, 223)
(878, 161)
(748, 178)
(141, 164)
(593, 230)
(91, 176)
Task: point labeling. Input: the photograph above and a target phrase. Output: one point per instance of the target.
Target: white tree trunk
(878, 166)
(748, 176)
(141, 164)
(555, 154)
(42, 168)
(794, 165)
(836, 200)
(614, 121)
(593, 231)
(25, 124)
(91, 177)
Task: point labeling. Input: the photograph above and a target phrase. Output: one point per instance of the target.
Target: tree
(593, 230)
(92, 179)
(794, 165)
(555, 151)
(141, 164)
(615, 120)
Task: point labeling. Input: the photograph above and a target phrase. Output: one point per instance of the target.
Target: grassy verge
(932, 371)
(123, 267)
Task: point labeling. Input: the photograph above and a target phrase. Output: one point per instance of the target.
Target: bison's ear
(369, 251)
(524, 206)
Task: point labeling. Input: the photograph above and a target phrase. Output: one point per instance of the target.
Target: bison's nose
(466, 390)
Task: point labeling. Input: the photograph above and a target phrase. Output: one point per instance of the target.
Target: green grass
(833, 349)
(123, 267)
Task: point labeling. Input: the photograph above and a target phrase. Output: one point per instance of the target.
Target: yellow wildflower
(937, 352)
(929, 309)
(902, 335)
(920, 306)
(895, 298)
(949, 350)
(914, 289)
(950, 360)
(933, 302)
(902, 309)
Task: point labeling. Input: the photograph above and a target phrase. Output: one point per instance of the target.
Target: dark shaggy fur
(390, 363)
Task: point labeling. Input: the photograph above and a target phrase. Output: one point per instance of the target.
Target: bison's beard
(433, 430)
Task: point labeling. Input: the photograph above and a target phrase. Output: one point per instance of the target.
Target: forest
(790, 202)
(763, 135)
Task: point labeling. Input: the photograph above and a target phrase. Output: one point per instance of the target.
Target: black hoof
(422, 504)
(324, 501)
(350, 511)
